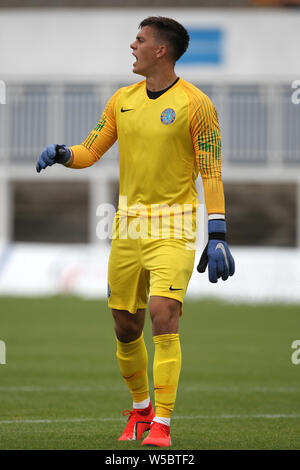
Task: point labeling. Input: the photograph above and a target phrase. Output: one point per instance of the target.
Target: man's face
(145, 49)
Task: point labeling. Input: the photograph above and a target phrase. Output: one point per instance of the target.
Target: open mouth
(135, 58)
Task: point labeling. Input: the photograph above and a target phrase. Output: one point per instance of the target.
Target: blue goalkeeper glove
(53, 154)
(216, 254)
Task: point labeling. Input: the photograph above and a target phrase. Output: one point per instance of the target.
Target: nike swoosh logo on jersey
(171, 288)
(221, 247)
(125, 110)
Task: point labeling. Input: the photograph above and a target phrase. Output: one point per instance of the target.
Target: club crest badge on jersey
(168, 116)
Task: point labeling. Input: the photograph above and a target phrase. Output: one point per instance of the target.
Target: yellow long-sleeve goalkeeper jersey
(163, 144)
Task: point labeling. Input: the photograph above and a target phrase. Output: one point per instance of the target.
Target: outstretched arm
(99, 140)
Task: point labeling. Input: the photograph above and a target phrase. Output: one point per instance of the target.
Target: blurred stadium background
(59, 64)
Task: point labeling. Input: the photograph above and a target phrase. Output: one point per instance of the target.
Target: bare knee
(128, 326)
(164, 314)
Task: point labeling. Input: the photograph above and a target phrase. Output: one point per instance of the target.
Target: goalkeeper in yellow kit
(167, 132)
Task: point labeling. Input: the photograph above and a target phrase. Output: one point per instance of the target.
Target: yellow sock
(166, 371)
(133, 362)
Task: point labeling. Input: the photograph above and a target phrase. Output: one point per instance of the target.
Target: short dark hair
(170, 31)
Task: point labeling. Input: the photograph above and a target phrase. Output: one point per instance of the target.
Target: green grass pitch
(61, 388)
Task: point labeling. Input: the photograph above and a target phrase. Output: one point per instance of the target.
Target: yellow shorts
(139, 267)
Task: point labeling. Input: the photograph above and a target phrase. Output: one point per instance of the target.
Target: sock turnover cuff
(165, 338)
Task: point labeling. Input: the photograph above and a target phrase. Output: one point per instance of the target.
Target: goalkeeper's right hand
(53, 154)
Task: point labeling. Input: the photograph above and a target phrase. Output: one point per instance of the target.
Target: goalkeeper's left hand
(216, 254)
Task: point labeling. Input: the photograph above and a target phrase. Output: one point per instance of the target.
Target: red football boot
(159, 435)
(138, 422)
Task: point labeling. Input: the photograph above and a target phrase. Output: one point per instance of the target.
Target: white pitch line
(236, 389)
(62, 388)
(86, 420)
(184, 388)
(51, 421)
(259, 415)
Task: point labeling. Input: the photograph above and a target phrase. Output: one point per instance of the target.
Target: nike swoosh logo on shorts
(171, 288)
(221, 247)
(124, 110)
